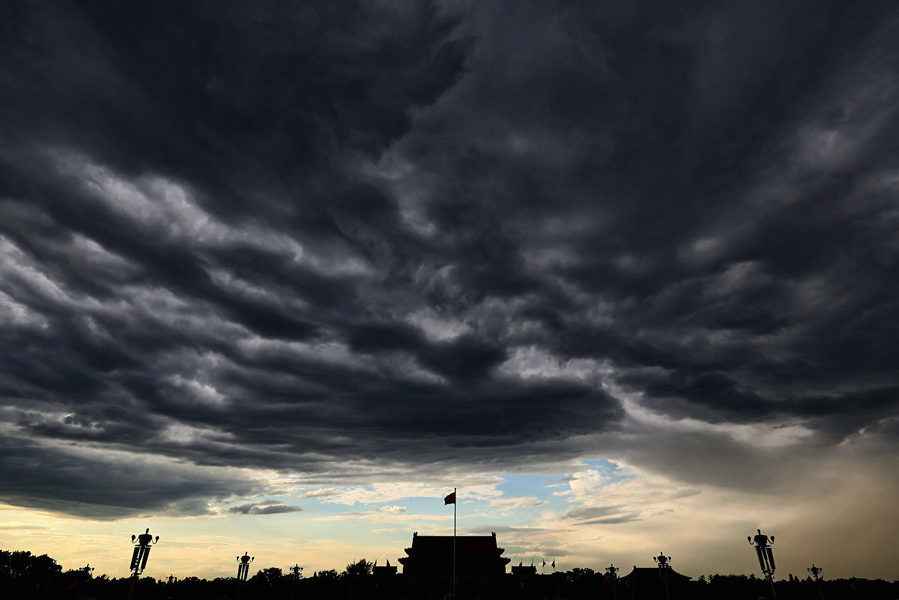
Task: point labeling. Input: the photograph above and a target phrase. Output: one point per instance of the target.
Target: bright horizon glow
(536, 516)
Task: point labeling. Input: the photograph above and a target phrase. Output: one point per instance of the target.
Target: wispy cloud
(263, 509)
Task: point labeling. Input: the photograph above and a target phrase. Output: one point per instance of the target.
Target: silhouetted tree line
(23, 574)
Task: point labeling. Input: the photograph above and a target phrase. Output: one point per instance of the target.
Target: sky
(277, 276)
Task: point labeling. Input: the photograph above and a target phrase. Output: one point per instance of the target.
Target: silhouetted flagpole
(451, 499)
(455, 504)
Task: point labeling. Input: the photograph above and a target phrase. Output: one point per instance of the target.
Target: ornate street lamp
(612, 576)
(664, 563)
(764, 550)
(243, 566)
(141, 553)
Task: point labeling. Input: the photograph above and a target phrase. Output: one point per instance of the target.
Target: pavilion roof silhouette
(432, 555)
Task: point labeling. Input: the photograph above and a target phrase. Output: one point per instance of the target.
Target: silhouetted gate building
(430, 558)
(651, 584)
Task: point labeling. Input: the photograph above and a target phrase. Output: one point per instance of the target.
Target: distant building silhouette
(384, 570)
(652, 582)
(431, 557)
(524, 570)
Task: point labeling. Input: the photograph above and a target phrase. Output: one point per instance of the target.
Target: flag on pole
(451, 499)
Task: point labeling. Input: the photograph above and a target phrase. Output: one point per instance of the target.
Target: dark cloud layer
(297, 235)
(110, 486)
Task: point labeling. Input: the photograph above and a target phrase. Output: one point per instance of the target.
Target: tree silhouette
(25, 565)
(268, 576)
(327, 575)
(359, 568)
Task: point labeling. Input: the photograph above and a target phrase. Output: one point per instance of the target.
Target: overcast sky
(276, 277)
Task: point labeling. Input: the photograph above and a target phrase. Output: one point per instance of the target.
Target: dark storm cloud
(101, 487)
(298, 235)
